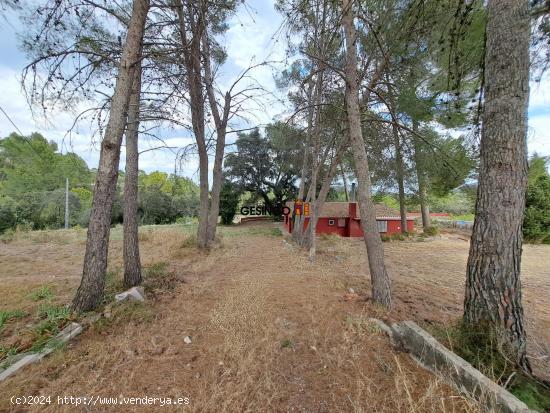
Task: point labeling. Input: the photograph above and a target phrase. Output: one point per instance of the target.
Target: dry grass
(270, 330)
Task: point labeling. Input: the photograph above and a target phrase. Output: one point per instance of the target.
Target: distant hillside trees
(32, 189)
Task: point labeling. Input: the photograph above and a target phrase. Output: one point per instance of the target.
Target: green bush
(536, 223)
(156, 207)
(431, 231)
(229, 200)
(456, 203)
(8, 216)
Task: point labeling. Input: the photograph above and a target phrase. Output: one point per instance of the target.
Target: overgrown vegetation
(6, 316)
(32, 189)
(480, 346)
(536, 224)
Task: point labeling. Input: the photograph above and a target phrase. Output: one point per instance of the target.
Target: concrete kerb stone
(70, 331)
(18, 361)
(454, 370)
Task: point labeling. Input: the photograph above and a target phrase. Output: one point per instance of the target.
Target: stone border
(454, 370)
(21, 360)
(18, 361)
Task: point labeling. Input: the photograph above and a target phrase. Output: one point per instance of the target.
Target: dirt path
(270, 333)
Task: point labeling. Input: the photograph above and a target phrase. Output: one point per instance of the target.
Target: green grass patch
(113, 285)
(6, 316)
(463, 217)
(43, 293)
(158, 269)
(286, 343)
(53, 319)
(264, 231)
(6, 352)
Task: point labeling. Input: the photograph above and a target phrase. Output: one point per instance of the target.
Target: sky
(251, 38)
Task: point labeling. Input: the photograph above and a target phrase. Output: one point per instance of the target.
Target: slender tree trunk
(400, 178)
(422, 181)
(132, 265)
(298, 228)
(90, 291)
(323, 193)
(310, 238)
(221, 127)
(493, 286)
(216, 187)
(346, 192)
(202, 230)
(191, 53)
(380, 280)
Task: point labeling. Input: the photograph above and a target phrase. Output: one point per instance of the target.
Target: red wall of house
(352, 228)
(394, 226)
(355, 229)
(324, 228)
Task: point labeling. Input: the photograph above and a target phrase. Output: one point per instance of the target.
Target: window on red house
(382, 226)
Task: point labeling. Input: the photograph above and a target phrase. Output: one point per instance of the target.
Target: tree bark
(90, 291)
(422, 181)
(310, 239)
(346, 192)
(191, 51)
(298, 228)
(132, 265)
(380, 280)
(493, 286)
(400, 177)
(221, 128)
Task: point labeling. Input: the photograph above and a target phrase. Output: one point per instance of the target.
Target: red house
(343, 218)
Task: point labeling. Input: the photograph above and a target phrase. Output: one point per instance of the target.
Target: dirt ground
(270, 331)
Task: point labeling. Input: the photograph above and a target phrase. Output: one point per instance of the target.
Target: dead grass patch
(270, 330)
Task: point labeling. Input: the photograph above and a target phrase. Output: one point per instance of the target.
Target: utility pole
(67, 203)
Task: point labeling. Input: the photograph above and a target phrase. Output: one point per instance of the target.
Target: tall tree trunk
(90, 291)
(132, 265)
(399, 170)
(202, 230)
(380, 280)
(422, 180)
(221, 128)
(298, 228)
(493, 286)
(191, 56)
(323, 193)
(346, 192)
(310, 239)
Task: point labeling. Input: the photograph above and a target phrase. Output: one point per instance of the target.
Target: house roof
(341, 210)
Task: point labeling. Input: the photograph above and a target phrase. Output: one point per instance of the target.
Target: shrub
(156, 207)
(43, 293)
(8, 215)
(229, 200)
(398, 236)
(536, 223)
(431, 231)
